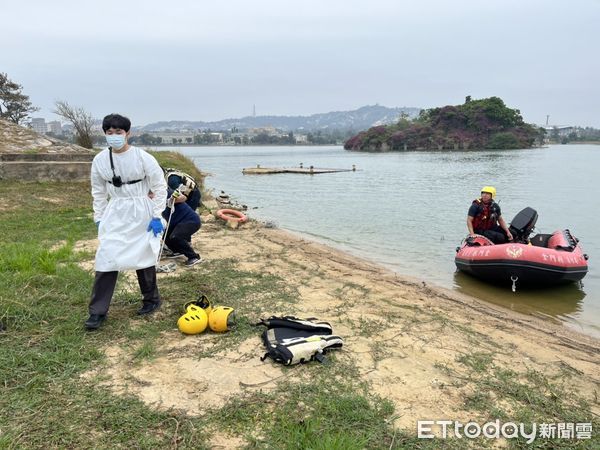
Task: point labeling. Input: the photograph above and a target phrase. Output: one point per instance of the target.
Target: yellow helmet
(202, 303)
(193, 322)
(490, 190)
(221, 318)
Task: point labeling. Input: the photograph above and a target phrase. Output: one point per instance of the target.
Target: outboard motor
(523, 223)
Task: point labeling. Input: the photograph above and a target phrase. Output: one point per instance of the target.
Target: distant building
(563, 131)
(55, 127)
(218, 137)
(301, 138)
(271, 131)
(38, 124)
(173, 137)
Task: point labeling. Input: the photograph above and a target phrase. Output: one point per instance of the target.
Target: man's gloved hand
(155, 226)
(98, 224)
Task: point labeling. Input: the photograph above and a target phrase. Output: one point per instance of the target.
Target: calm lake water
(407, 211)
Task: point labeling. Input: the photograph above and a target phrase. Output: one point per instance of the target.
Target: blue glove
(156, 226)
(98, 224)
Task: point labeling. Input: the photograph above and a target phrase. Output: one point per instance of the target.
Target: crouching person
(183, 223)
(129, 222)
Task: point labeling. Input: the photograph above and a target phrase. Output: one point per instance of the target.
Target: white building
(562, 131)
(301, 138)
(38, 124)
(55, 127)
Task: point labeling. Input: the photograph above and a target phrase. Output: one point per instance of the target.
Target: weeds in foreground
(528, 397)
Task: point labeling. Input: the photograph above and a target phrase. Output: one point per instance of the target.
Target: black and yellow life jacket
(290, 340)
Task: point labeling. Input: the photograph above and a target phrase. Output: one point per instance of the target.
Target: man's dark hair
(116, 121)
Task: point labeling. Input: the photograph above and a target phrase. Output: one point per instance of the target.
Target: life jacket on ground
(487, 218)
(290, 340)
(189, 184)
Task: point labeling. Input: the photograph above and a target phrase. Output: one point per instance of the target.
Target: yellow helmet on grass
(221, 318)
(490, 190)
(201, 303)
(193, 322)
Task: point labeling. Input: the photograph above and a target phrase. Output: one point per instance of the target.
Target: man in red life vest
(485, 218)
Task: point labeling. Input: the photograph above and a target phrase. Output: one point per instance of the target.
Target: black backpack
(290, 340)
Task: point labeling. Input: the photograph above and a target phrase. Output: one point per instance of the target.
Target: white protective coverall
(125, 212)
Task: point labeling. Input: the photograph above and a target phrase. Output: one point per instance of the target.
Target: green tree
(14, 105)
(503, 141)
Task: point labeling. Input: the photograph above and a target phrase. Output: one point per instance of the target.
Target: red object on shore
(547, 259)
(231, 215)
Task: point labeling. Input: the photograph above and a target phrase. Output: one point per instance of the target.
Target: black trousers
(495, 234)
(104, 287)
(179, 238)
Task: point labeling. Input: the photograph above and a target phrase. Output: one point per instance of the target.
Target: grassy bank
(46, 403)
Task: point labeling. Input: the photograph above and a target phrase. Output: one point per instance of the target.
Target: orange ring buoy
(231, 214)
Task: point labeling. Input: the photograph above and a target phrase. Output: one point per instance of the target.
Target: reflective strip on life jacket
(186, 180)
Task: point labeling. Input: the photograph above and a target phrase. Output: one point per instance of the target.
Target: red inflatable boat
(544, 259)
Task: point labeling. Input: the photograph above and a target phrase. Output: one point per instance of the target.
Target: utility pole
(253, 110)
(547, 117)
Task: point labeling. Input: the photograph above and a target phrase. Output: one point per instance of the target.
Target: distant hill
(359, 119)
(486, 123)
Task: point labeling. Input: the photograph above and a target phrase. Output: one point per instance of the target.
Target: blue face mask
(116, 141)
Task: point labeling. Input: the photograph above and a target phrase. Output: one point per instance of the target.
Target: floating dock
(305, 170)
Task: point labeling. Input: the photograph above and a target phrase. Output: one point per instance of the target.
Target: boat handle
(514, 283)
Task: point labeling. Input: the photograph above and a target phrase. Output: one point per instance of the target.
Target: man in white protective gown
(128, 219)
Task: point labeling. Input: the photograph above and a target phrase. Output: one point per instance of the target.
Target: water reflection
(557, 302)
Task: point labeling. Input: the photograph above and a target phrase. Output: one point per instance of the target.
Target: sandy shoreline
(417, 333)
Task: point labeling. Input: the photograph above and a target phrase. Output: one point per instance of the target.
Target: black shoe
(148, 308)
(193, 261)
(94, 321)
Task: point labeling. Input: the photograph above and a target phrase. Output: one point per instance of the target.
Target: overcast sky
(193, 60)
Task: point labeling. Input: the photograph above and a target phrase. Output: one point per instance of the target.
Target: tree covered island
(477, 124)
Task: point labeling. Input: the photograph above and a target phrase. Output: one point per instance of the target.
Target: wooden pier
(305, 170)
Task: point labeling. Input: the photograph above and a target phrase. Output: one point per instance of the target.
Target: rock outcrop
(17, 139)
(28, 156)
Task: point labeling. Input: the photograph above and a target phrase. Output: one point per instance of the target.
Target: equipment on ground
(221, 319)
(232, 215)
(193, 322)
(290, 340)
(202, 302)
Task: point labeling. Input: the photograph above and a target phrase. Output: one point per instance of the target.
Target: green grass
(528, 396)
(45, 403)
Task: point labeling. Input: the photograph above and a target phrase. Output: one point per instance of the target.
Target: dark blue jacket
(182, 214)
